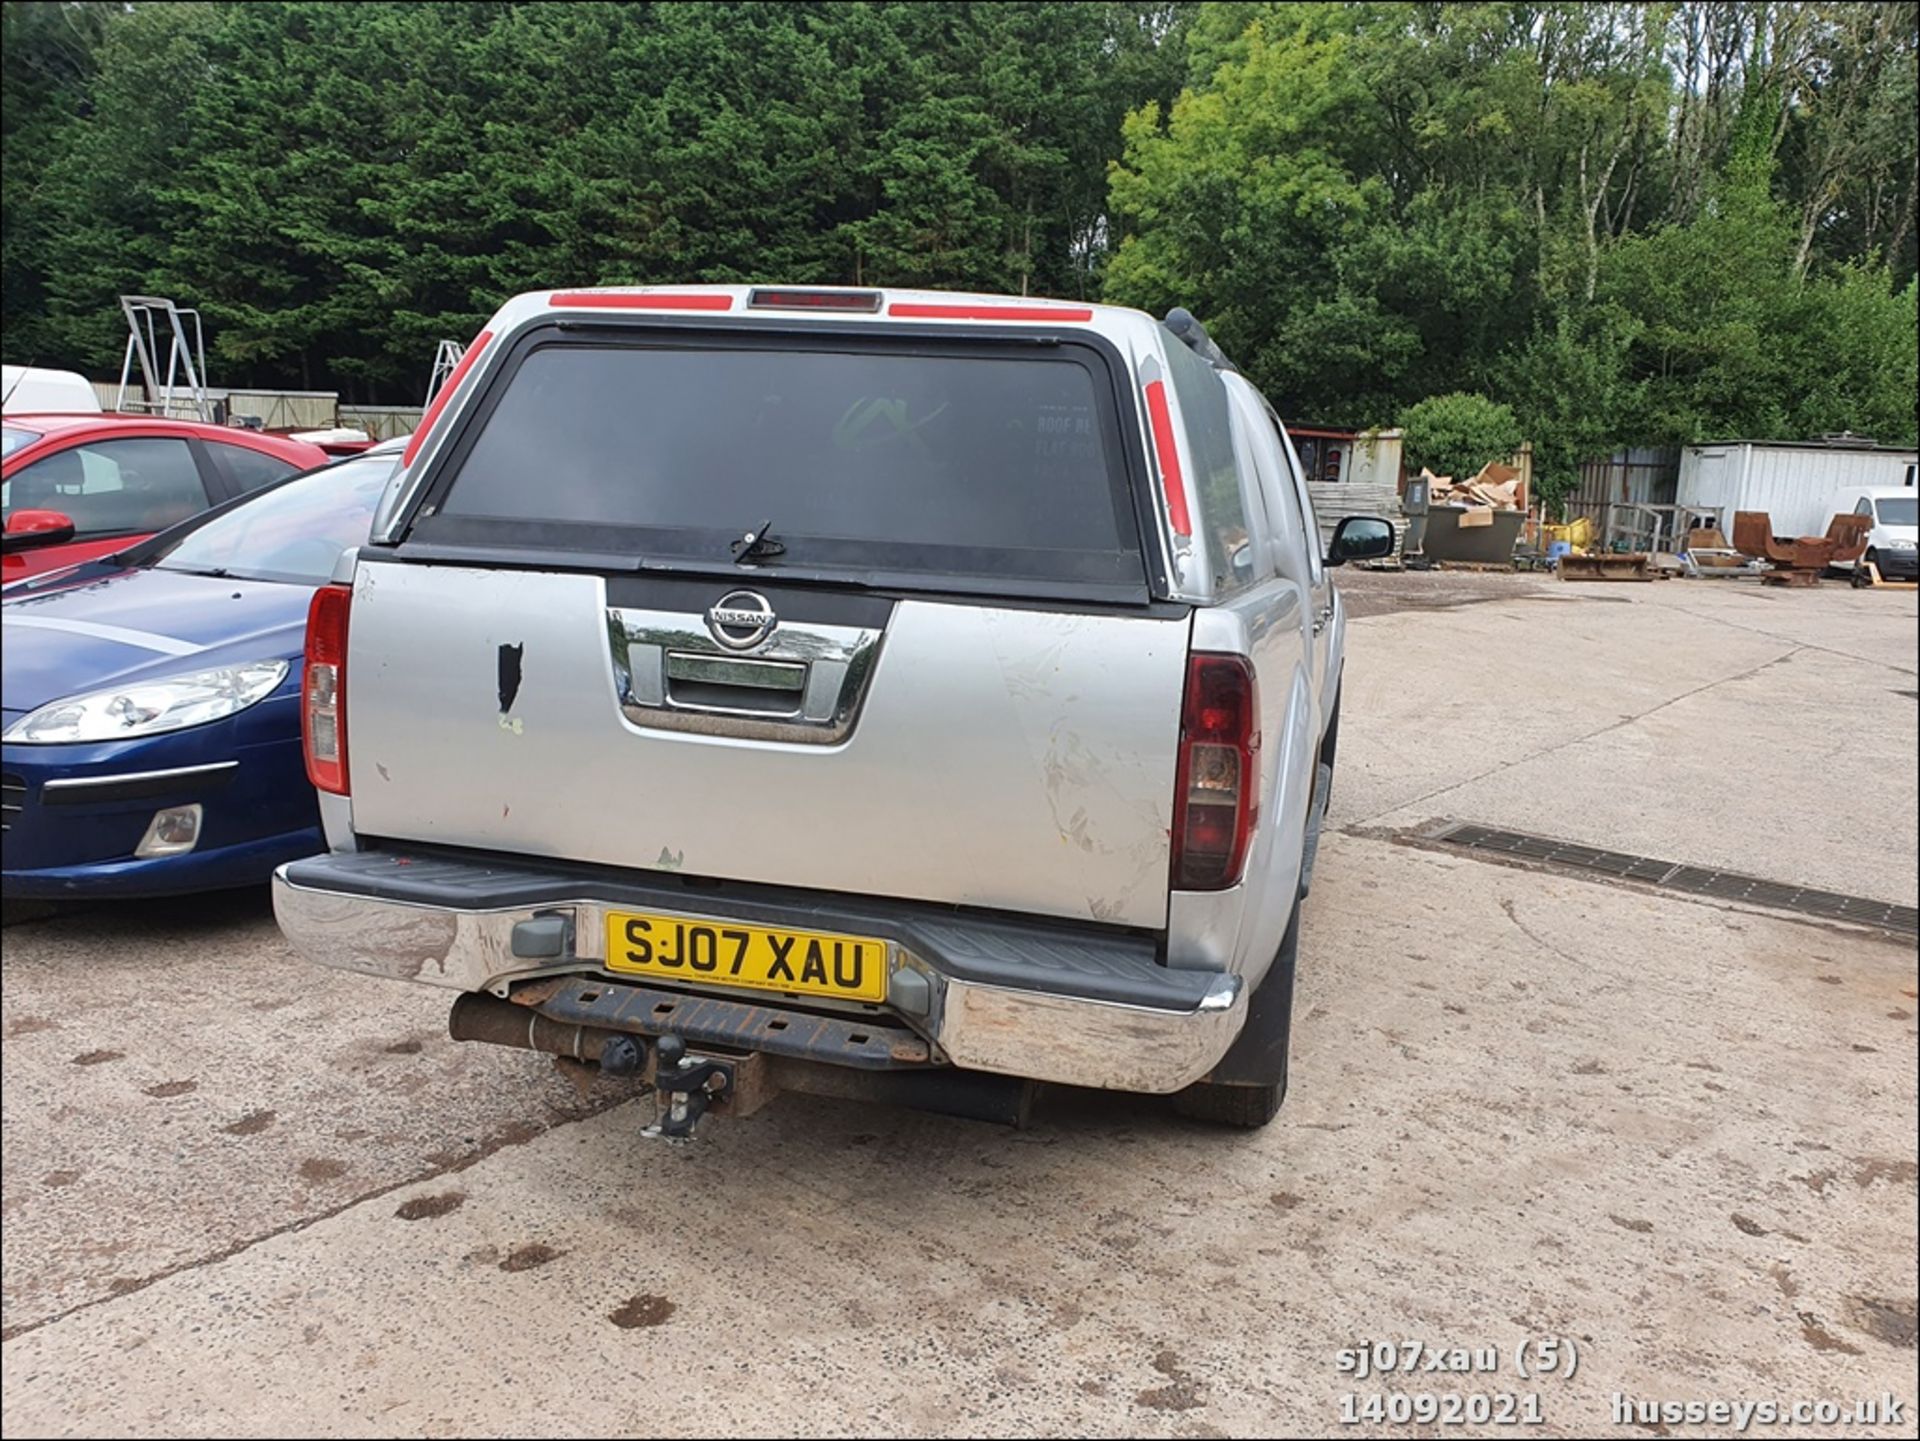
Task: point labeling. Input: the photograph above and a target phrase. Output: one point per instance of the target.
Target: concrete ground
(244, 1195)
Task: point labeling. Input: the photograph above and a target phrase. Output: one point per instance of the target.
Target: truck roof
(838, 302)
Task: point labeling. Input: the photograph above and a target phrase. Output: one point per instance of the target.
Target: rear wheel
(1245, 1090)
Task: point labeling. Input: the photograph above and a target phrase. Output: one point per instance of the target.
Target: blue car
(150, 700)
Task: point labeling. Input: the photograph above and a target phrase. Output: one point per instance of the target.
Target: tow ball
(688, 1086)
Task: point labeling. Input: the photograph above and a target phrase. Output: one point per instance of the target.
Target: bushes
(1454, 435)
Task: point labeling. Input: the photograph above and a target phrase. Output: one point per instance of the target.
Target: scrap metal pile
(1798, 560)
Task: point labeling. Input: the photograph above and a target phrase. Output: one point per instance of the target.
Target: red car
(73, 487)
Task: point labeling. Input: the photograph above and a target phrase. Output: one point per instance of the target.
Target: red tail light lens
(323, 689)
(1214, 809)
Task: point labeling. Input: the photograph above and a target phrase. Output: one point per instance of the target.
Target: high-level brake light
(866, 302)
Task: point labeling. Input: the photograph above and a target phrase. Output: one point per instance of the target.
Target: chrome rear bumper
(1131, 1027)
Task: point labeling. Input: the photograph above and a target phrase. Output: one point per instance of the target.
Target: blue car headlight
(145, 708)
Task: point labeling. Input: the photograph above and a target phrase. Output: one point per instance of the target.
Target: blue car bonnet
(128, 625)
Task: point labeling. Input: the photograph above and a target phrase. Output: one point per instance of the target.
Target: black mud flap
(1258, 1057)
(1316, 823)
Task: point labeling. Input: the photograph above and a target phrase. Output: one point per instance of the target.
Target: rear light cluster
(323, 689)
(1214, 807)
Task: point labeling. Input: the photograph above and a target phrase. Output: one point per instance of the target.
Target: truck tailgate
(989, 755)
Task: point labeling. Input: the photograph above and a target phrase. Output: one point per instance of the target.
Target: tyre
(1246, 1108)
(1862, 577)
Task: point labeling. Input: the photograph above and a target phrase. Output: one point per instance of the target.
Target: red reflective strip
(444, 394)
(915, 310)
(638, 300)
(1169, 456)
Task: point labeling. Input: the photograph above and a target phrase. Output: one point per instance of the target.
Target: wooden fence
(382, 422)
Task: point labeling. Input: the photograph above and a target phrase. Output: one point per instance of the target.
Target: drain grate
(1672, 875)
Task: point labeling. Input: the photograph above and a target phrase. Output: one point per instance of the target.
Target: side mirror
(1242, 561)
(1360, 537)
(31, 529)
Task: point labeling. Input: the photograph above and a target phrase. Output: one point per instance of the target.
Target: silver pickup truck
(896, 695)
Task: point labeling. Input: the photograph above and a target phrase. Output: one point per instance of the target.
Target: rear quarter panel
(1239, 929)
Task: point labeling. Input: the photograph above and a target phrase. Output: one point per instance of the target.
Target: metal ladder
(446, 359)
(145, 316)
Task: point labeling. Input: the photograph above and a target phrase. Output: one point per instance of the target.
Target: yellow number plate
(802, 963)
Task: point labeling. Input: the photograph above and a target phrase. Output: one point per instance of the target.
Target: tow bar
(731, 1078)
(690, 1087)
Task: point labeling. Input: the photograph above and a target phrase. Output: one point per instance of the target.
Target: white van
(1891, 544)
(26, 389)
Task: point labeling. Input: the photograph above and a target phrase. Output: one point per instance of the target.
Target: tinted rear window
(873, 459)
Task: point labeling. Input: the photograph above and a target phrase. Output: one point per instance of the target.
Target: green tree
(1243, 206)
(1624, 221)
(47, 64)
(1628, 223)
(101, 222)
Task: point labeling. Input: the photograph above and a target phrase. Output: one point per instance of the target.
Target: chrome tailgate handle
(733, 683)
(736, 670)
(803, 683)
